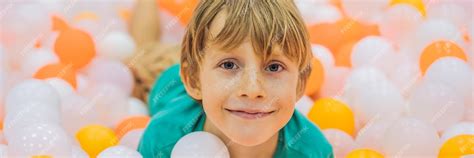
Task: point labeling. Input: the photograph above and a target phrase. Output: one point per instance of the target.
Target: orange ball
(333, 35)
(343, 55)
(75, 47)
(65, 72)
(364, 153)
(131, 123)
(183, 9)
(330, 113)
(457, 146)
(438, 50)
(316, 78)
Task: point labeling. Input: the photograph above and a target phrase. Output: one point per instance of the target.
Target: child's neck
(266, 149)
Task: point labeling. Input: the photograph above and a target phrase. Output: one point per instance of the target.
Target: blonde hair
(270, 24)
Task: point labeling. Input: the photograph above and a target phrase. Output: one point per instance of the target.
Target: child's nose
(251, 86)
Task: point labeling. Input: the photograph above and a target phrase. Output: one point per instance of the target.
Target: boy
(244, 64)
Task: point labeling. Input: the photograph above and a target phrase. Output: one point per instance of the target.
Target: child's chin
(249, 141)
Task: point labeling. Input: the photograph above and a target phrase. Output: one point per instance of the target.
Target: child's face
(246, 99)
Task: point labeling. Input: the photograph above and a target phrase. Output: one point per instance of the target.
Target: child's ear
(194, 92)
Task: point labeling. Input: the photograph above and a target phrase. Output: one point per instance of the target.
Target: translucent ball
(366, 11)
(342, 143)
(40, 139)
(200, 144)
(132, 138)
(369, 50)
(77, 152)
(452, 72)
(28, 91)
(101, 71)
(137, 107)
(414, 137)
(373, 133)
(458, 129)
(304, 105)
(324, 55)
(116, 45)
(334, 81)
(119, 151)
(398, 21)
(36, 59)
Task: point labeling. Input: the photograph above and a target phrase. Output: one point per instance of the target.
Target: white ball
(453, 72)
(334, 81)
(369, 50)
(398, 21)
(409, 137)
(78, 111)
(373, 133)
(40, 139)
(36, 59)
(437, 104)
(200, 144)
(318, 12)
(3, 151)
(367, 11)
(63, 88)
(174, 30)
(101, 71)
(116, 45)
(132, 138)
(119, 152)
(137, 107)
(324, 55)
(304, 105)
(28, 91)
(458, 129)
(371, 95)
(30, 113)
(452, 12)
(342, 143)
(77, 152)
(428, 32)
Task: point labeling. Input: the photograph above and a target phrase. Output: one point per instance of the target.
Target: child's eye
(274, 67)
(229, 65)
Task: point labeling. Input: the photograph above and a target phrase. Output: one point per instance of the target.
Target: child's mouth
(249, 114)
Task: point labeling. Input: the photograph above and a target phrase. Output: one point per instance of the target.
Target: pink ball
(342, 143)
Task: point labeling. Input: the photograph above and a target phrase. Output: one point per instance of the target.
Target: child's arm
(145, 23)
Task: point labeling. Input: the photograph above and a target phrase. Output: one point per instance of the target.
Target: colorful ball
(96, 138)
(331, 113)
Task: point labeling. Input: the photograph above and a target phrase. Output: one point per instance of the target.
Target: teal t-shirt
(175, 114)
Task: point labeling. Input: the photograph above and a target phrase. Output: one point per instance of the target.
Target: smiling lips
(250, 114)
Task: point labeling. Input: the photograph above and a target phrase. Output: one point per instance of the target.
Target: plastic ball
(453, 72)
(132, 138)
(366, 11)
(176, 9)
(364, 153)
(316, 78)
(304, 104)
(369, 50)
(457, 146)
(65, 72)
(415, 137)
(137, 107)
(63, 88)
(108, 102)
(418, 4)
(116, 45)
(330, 113)
(200, 144)
(318, 12)
(398, 21)
(119, 151)
(40, 139)
(3, 151)
(335, 80)
(324, 55)
(458, 129)
(75, 47)
(102, 70)
(96, 138)
(341, 142)
(438, 50)
(131, 123)
(371, 95)
(373, 133)
(448, 11)
(30, 113)
(77, 152)
(76, 112)
(36, 91)
(37, 59)
(437, 104)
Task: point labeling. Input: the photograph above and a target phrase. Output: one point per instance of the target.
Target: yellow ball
(457, 146)
(330, 113)
(95, 138)
(418, 4)
(364, 153)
